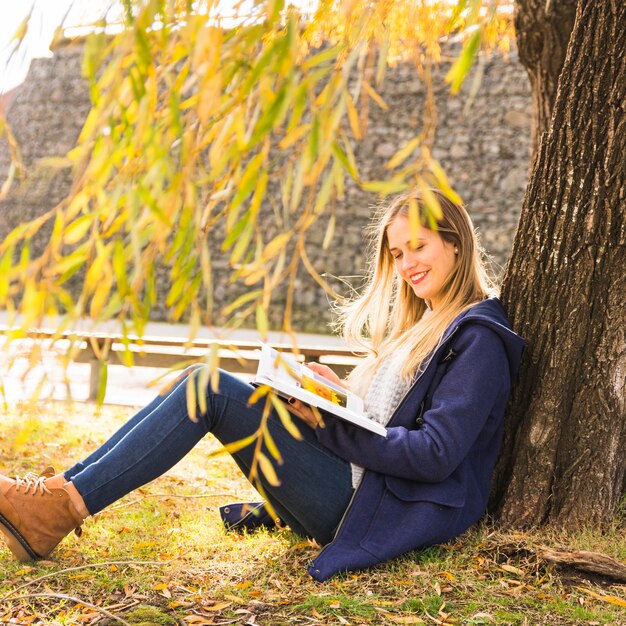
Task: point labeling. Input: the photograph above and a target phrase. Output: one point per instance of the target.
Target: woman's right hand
(328, 373)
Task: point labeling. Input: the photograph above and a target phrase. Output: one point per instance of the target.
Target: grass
(160, 556)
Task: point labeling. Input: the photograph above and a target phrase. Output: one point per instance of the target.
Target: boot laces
(32, 483)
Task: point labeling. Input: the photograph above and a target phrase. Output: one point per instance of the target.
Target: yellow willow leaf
(285, 417)
(324, 193)
(371, 92)
(5, 266)
(190, 397)
(262, 323)
(218, 143)
(253, 276)
(235, 446)
(242, 245)
(330, 232)
(286, 185)
(258, 393)
(32, 303)
(442, 181)
(353, 118)
(404, 153)
(77, 204)
(96, 271)
(430, 200)
(68, 264)
(241, 300)
(203, 375)
(268, 470)
(414, 221)
(385, 187)
(214, 368)
(293, 136)
(209, 98)
(259, 194)
(246, 184)
(75, 231)
(101, 294)
(271, 445)
(276, 245)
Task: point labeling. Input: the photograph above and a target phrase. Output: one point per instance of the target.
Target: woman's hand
(326, 372)
(307, 414)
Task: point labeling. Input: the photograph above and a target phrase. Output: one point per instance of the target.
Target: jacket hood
(490, 312)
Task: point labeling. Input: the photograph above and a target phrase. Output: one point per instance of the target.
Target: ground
(160, 556)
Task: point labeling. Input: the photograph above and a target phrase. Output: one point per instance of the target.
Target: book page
(288, 377)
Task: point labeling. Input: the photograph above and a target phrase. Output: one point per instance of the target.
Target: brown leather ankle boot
(34, 518)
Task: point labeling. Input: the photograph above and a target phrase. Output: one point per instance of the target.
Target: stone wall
(484, 148)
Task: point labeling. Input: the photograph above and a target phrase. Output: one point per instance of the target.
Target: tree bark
(564, 457)
(543, 29)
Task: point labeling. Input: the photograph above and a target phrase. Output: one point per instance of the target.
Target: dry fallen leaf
(511, 569)
(605, 598)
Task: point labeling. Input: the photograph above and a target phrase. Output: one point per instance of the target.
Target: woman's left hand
(304, 412)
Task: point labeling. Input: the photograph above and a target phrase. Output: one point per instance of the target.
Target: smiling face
(425, 267)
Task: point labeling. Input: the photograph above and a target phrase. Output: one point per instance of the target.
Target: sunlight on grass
(160, 555)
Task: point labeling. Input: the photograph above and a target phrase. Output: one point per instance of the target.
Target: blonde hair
(388, 316)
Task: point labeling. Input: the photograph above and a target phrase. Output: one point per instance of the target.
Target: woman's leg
(315, 485)
(114, 439)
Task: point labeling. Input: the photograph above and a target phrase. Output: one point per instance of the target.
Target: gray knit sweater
(384, 393)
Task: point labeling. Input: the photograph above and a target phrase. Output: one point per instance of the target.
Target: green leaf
(330, 54)
(273, 116)
(461, 67)
(349, 164)
(243, 299)
(247, 181)
(242, 245)
(235, 231)
(456, 13)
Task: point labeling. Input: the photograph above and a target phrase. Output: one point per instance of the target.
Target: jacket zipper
(345, 513)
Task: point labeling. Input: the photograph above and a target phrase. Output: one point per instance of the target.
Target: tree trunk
(564, 457)
(543, 29)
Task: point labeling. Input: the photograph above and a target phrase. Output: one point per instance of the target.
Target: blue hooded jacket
(441, 447)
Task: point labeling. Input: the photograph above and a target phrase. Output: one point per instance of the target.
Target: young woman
(441, 361)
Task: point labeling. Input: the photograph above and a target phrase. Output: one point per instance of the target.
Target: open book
(282, 372)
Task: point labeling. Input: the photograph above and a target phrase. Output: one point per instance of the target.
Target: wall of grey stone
(484, 149)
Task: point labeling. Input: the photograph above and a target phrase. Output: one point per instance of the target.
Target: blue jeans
(315, 485)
